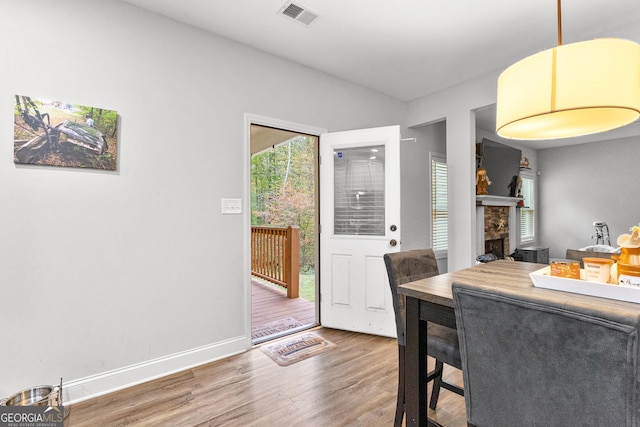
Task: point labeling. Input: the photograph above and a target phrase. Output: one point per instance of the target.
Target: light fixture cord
(559, 23)
(554, 60)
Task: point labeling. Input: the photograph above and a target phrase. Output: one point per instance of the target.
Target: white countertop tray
(542, 279)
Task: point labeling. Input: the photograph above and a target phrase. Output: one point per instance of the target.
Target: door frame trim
(254, 119)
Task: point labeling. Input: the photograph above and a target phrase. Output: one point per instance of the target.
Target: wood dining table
(431, 300)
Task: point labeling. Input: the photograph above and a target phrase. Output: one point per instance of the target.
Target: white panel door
(360, 222)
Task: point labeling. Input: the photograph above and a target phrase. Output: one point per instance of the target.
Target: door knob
(393, 242)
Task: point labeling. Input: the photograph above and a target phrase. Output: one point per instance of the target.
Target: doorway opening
(284, 230)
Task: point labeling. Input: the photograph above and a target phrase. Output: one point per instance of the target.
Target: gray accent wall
(580, 184)
(416, 182)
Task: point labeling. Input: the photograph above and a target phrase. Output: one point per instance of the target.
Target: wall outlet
(231, 206)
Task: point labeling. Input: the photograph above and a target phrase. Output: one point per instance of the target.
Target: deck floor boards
(270, 304)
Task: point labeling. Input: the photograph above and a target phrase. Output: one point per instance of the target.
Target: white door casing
(360, 222)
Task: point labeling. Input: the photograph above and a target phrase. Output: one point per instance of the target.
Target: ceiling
(406, 48)
(263, 137)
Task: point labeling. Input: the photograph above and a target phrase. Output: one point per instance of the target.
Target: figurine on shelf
(482, 181)
(515, 186)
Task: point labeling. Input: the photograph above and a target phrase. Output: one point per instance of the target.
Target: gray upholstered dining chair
(407, 266)
(542, 358)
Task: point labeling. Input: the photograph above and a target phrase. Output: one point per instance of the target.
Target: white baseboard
(96, 385)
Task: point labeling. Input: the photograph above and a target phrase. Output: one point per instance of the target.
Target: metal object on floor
(34, 396)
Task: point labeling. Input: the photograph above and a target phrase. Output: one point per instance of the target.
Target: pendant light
(570, 90)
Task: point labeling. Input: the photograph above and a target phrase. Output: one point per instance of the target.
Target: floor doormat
(273, 328)
(300, 347)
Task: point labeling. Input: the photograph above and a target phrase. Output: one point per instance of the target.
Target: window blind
(439, 209)
(359, 191)
(527, 212)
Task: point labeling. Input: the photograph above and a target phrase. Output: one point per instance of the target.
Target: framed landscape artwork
(54, 133)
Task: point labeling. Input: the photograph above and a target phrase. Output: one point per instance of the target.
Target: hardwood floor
(353, 384)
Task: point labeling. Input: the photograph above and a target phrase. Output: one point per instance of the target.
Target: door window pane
(359, 191)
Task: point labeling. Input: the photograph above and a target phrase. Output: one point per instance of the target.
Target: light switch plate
(231, 206)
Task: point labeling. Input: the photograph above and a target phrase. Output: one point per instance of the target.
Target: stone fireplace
(496, 225)
(496, 230)
(496, 247)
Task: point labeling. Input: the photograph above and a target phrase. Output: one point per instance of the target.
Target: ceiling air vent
(298, 13)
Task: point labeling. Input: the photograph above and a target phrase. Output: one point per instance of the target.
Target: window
(359, 197)
(527, 224)
(439, 211)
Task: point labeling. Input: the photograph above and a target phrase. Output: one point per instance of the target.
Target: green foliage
(307, 289)
(103, 161)
(105, 120)
(283, 192)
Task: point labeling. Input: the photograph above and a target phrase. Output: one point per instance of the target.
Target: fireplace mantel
(488, 200)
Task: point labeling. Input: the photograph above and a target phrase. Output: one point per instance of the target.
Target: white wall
(137, 268)
(585, 183)
(416, 183)
(457, 105)
(114, 277)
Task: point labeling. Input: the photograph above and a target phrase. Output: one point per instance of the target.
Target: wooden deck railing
(275, 256)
